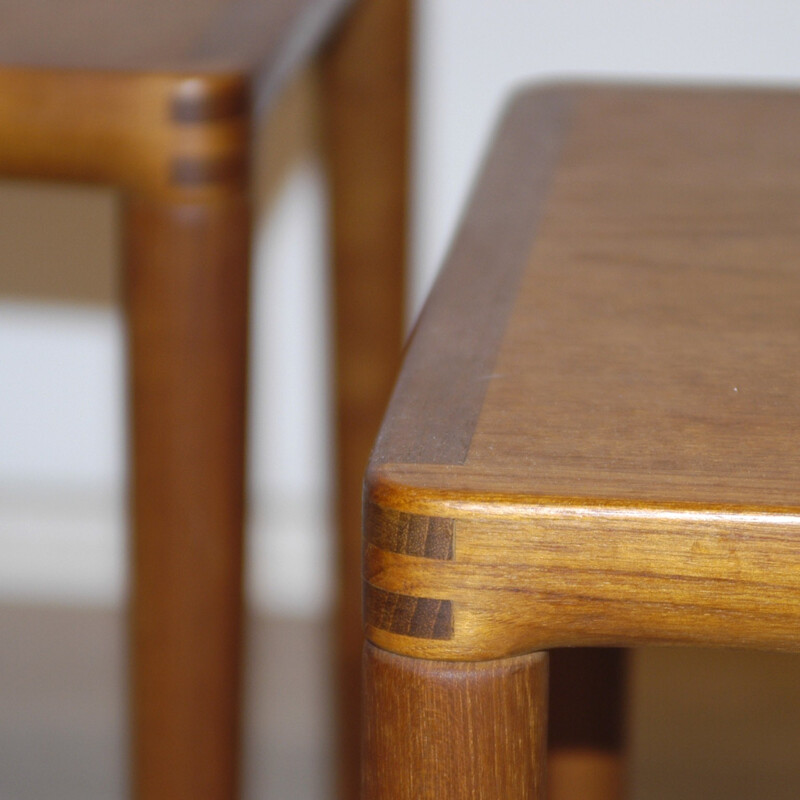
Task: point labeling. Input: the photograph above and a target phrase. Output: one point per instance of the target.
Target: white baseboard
(289, 555)
(61, 547)
(69, 548)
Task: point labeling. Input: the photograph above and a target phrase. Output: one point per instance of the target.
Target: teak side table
(159, 99)
(594, 438)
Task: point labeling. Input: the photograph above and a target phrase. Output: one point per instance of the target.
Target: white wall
(472, 54)
(60, 369)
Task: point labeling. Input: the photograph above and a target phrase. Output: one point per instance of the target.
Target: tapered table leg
(365, 79)
(456, 730)
(186, 294)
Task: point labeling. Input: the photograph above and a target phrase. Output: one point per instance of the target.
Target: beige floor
(706, 724)
(715, 724)
(62, 703)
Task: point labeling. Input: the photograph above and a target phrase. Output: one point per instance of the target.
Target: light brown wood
(617, 349)
(61, 241)
(366, 86)
(150, 97)
(159, 100)
(470, 731)
(186, 266)
(126, 129)
(186, 296)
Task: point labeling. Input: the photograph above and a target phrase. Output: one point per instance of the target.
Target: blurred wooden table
(593, 440)
(159, 100)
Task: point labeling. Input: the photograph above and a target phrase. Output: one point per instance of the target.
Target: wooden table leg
(366, 96)
(186, 293)
(455, 730)
(587, 724)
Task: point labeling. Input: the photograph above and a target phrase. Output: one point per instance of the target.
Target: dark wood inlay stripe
(409, 534)
(449, 363)
(190, 106)
(192, 172)
(420, 617)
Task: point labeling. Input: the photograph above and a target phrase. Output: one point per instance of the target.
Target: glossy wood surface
(366, 67)
(599, 406)
(469, 731)
(186, 296)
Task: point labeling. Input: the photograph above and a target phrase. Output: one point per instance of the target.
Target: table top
(151, 97)
(151, 35)
(615, 337)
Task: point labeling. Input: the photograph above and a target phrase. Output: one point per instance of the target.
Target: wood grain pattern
(631, 477)
(443, 382)
(411, 534)
(186, 283)
(366, 80)
(471, 731)
(422, 617)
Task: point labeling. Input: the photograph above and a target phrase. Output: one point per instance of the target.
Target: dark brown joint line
(472, 305)
(190, 107)
(420, 617)
(410, 534)
(194, 172)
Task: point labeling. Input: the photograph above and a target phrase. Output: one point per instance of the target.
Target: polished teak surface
(594, 438)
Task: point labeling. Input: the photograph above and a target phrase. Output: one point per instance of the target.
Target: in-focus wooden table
(159, 99)
(594, 438)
